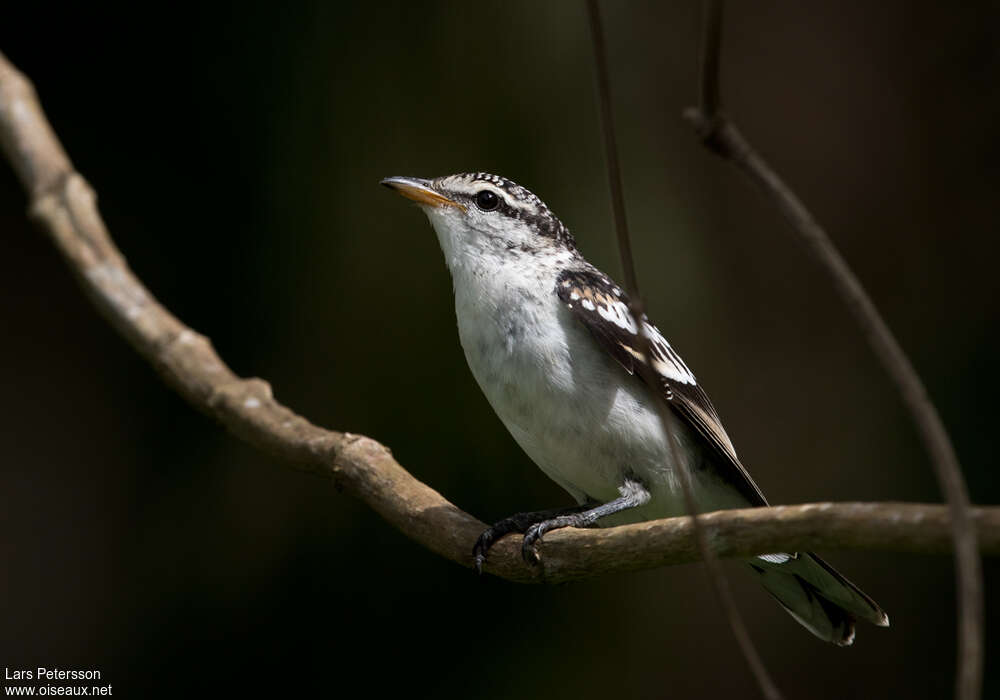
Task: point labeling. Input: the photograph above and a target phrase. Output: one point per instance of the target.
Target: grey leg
(633, 495)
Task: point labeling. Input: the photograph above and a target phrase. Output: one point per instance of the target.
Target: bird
(555, 349)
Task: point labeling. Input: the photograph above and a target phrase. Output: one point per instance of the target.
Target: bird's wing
(597, 302)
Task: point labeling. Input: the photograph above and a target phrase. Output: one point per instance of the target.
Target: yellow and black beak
(420, 191)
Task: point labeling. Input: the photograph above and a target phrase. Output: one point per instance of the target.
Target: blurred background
(237, 149)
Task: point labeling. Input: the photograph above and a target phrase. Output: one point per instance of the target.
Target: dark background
(237, 150)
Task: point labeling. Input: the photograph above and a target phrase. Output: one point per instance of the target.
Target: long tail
(817, 595)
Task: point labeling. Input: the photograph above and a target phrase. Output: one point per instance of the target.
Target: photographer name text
(50, 674)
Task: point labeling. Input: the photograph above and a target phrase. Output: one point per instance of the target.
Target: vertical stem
(715, 574)
(611, 150)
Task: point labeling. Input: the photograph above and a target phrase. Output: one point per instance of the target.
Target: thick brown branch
(737, 534)
(65, 208)
(724, 139)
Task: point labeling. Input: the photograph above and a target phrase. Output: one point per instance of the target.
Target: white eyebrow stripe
(472, 188)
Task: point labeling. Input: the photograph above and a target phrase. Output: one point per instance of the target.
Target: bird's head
(478, 214)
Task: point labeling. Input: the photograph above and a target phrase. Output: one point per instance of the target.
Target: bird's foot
(519, 522)
(533, 535)
(482, 546)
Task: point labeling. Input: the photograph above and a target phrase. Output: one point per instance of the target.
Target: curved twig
(722, 137)
(64, 206)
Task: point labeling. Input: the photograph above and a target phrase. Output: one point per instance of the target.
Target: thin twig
(611, 156)
(717, 578)
(722, 137)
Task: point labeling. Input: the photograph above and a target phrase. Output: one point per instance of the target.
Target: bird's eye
(487, 200)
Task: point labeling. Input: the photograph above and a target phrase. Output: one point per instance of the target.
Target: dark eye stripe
(514, 201)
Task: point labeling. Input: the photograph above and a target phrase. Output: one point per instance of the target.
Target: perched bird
(552, 344)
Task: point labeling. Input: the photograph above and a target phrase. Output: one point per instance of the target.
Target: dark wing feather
(597, 302)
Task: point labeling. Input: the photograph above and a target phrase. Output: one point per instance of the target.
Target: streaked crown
(493, 193)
